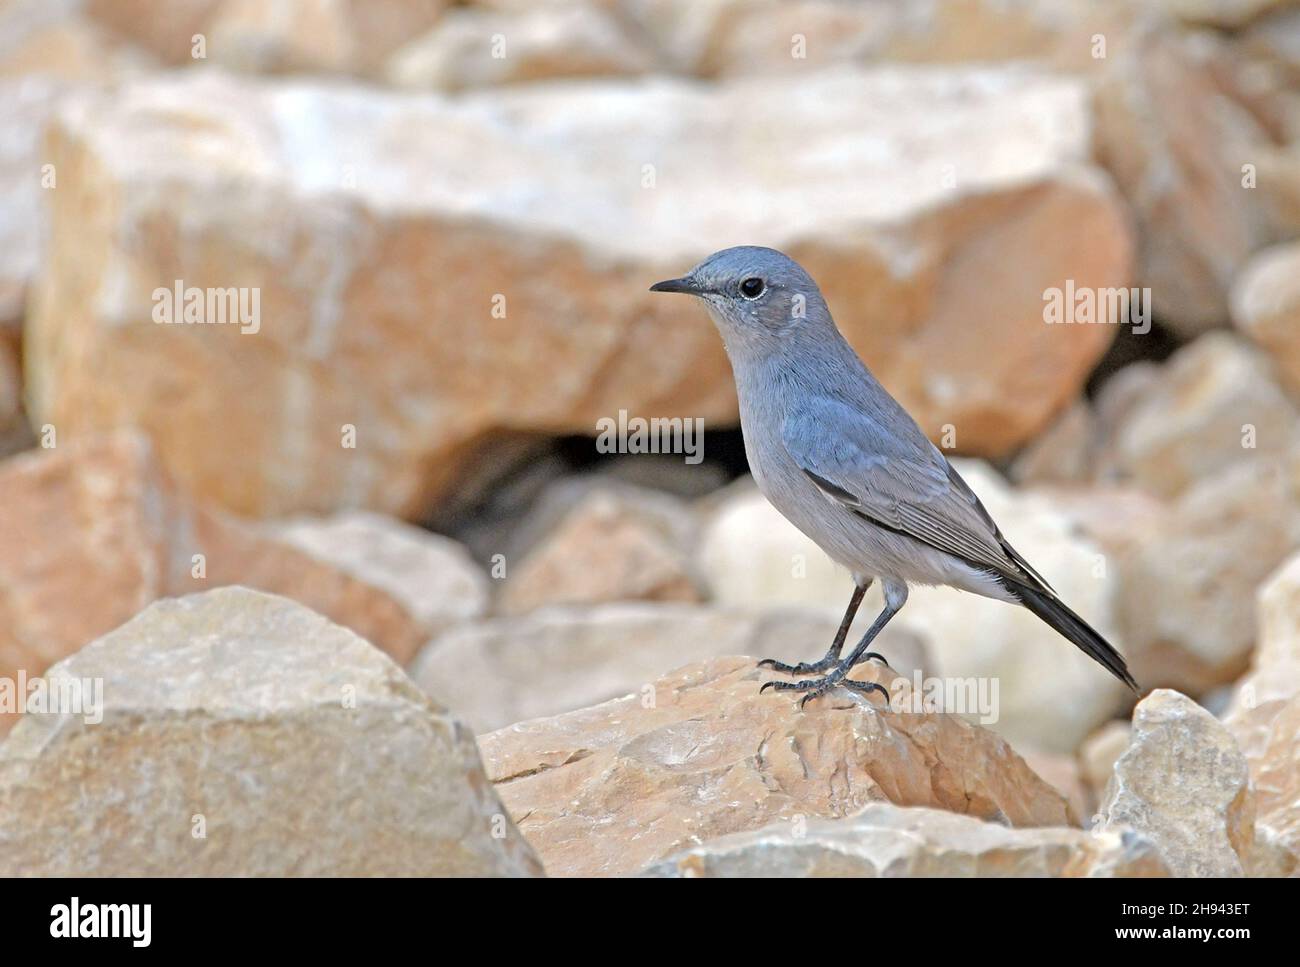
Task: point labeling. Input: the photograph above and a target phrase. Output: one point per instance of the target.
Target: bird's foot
(816, 687)
(813, 667)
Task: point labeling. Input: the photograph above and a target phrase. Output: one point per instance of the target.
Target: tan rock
(559, 659)
(1186, 598)
(1098, 755)
(1269, 60)
(1221, 13)
(51, 39)
(92, 532)
(328, 36)
(1115, 402)
(46, 48)
(610, 789)
(730, 37)
(1215, 405)
(240, 734)
(433, 577)
(1262, 718)
(889, 841)
(1279, 184)
(712, 38)
(1276, 776)
(944, 254)
(11, 390)
(1275, 663)
(1266, 307)
(599, 552)
(1063, 453)
(534, 517)
(1063, 33)
(166, 28)
(1175, 145)
(1061, 771)
(1184, 785)
(25, 106)
(480, 48)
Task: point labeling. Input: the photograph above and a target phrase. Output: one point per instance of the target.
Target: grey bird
(846, 464)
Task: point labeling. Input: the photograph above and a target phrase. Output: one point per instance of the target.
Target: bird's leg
(837, 646)
(895, 598)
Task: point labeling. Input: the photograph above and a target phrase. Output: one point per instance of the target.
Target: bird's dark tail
(1053, 611)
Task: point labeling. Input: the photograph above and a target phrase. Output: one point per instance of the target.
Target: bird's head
(756, 296)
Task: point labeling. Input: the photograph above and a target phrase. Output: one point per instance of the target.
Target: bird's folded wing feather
(902, 483)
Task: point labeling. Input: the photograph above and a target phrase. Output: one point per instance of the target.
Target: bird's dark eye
(752, 287)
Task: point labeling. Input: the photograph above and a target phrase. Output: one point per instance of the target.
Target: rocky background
(310, 563)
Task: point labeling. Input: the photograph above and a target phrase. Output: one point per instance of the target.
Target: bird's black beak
(685, 284)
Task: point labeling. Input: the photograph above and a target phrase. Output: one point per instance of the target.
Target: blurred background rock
(451, 213)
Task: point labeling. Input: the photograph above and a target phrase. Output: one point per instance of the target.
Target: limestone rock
(1274, 677)
(536, 518)
(1221, 13)
(51, 40)
(889, 841)
(1184, 785)
(480, 48)
(1098, 755)
(295, 747)
(92, 532)
(1276, 775)
(25, 105)
(46, 50)
(933, 243)
(287, 36)
(1189, 574)
(558, 659)
(1063, 453)
(1175, 145)
(713, 38)
(793, 37)
(1214, 406)
(752, 557)
(1061, 771)
(165, 28)
(432, 577)
(11, 393)
(600, 551)
(1121, 394)
(1266, 307)
(610, 789)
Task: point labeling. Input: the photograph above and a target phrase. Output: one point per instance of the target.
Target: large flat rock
(700, 754)
(437, 273)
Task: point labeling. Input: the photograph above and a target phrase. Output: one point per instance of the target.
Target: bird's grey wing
(898, 481)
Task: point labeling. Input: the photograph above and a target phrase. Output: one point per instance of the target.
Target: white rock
(1184, 784)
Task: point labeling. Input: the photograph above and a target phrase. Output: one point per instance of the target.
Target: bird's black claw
(866, 688)
(816, 687)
